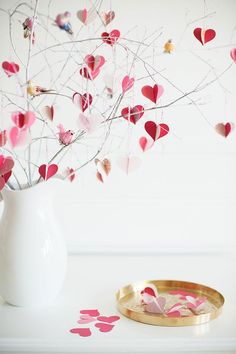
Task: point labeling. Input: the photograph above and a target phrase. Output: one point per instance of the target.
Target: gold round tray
(130, 303)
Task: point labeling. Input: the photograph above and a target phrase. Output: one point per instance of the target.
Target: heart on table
(6, 164)
(86, 16)
(23, 120)
(127, 83)
(108, 319)
(18, 136)
(3, 138)
(133, 114)
(156, 131)
(47, 171)
(224, 129)
(145, 143)
(82, 332)
(82, 101)
(204, 36)
(129, 163)
(111, 38)
(233, 54)
(48, 112)
(10, 68)
(104, 327)
(157, 306)
(153, 93)
(107, 17)
(85, 319)
(93, 313)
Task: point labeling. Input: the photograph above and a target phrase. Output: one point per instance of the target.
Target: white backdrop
(183, 197)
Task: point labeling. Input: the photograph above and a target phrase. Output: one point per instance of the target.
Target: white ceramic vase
(33, 254)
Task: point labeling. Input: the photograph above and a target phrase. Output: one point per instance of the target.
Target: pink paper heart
(47, 171)
(82, 101)
(233, 54)
(94, 63)
(3, 138)
(129, 164)
(23, 120)
(109, 319)
(111, 38)
(82, 332)
(204, 36)
(156, 306)
(17, 136)
(48, 112)
(133, 114)
(145, 144)
(6, 164)
(88, 123)
(10, 68)
(82, 15)
(153, 93)
(89, 75)
(84, 319)
(156, 131)
(86, 16)
(127, 83)
(104, 327)
(224, 129)
(107, 17)
(93, 313)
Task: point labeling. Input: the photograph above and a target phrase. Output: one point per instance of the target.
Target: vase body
(33, 254)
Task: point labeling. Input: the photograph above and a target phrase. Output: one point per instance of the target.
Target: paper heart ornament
(103, 169)
(93, 313)
(107, 17)
(3, 138)
(156, 131)
(6, 164)
(10, 68)
(233, 54)
(145, 143)
(48, 112)
(18, 136)
(204, 36)
(23, 120)
(90, 75)
(88, 123)
(104, 327)
(127, 83)
(224, 129)
(85, 16)
(133, 114)
(94, 63)
(82, 332)
(109, 319)
(153, 93)
(129, 163)
(111, 38)
(82, 101)
(47, 171)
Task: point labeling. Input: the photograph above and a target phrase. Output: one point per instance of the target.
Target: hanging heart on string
(89, 75)
(3, 138)
(107, 17)
(47, 171)
(129, 163)
(153, 93)
(18, 136)
(89, 123)
(233, 54)
(111, 38)
(48, 112)
(23, 120)
(224, 129)
(204, 36)
(82, 101)
(6, 164)
(10, 68)
(156, 131)
(85, 16)
(94, 62)
(127, 83)
(145, 144)
(103, 169)
(70, 172)
(133, 114)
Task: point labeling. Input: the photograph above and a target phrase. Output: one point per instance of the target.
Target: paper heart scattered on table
(233, 54)
(108, 319)
(84, 319)
(93, 313)
(145, 144)
(82, 101)
(111, 38)
(204, 36)
(104, 327)
(156, 131)
(133, 114)
(82, 332)
(48, 171)
(10, 68)
(127, 83)
(107, 17)
(224, 129)
(152, 93)
(48, 112)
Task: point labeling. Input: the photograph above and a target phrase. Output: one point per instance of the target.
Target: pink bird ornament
(65, 136)
(63, 22)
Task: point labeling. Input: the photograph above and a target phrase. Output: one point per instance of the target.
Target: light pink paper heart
(10, 68)
(48, 112)
(129, 164)
(82, 332)
(84, 319)
(145, 143)
(153, 93)
(23, 120)
(233, 54)
(104, 327)
(127, 83)
(88, 123)
(47, 171)
(156, 306)
(107, 17)
(86, 16)
(6, 164)
(93, 313)
(17, 136)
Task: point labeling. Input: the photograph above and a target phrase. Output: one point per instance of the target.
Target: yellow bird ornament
(169, 46)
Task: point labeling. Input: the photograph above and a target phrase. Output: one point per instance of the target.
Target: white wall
(183, 196)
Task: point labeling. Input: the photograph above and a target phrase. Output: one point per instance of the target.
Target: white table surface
(92, 282)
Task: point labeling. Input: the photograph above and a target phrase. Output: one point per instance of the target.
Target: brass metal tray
(130, 303)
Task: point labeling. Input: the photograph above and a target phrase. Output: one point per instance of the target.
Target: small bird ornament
(169, 46)
(63, 22)
(33, 90)
(28, 27)
(65, 136)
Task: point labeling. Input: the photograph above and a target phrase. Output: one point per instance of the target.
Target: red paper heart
(233, 54)
(153, 93)
(10, 68)
(104, 327)
(7, 176)
(107, 17)
(82, 332)
(148, 291)
(156, 131)
(6, 164)
(47, 171)
(127, 83)
(93, 313)
(110, 38)
(133, 114)
(145, 144)
(82, 101)
(108, 319)
(3, 137)
(204, 36)
(224, 129)
(89, 75)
